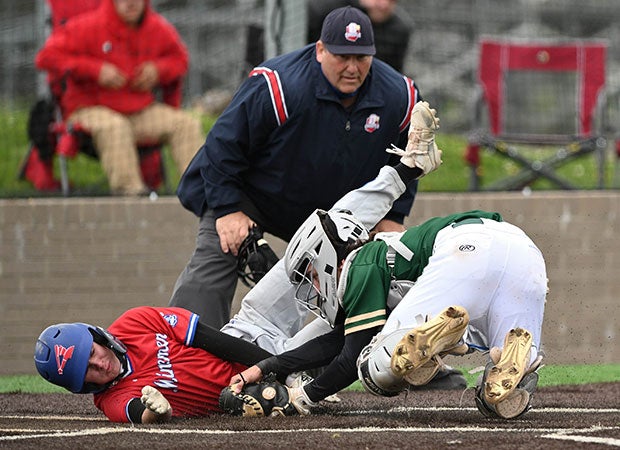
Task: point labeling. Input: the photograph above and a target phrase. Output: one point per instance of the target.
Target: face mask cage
(306, 292)
(300, 272)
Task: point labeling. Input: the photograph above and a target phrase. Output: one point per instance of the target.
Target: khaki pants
(116, 136)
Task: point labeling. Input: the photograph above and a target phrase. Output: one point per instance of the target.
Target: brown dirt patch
(575, 416)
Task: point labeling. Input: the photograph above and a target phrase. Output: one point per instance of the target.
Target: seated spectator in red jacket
(113, 59)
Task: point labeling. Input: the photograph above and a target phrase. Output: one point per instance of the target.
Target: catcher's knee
(374, 366)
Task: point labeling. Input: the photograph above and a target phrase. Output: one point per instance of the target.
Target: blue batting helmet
(63, 350)
(62, 353)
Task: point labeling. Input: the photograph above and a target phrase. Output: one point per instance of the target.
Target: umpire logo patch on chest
(372, 123)
(467, 247)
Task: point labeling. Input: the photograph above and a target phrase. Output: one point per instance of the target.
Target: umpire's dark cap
(348, 31)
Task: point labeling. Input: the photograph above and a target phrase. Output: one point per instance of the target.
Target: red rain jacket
(78, 49)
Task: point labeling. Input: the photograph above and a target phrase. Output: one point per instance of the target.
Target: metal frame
(500, 56)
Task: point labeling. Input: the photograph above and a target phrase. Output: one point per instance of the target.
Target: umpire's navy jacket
(288, 145)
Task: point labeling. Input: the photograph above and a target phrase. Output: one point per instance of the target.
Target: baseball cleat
(298, 379)
(416, 357)
(446, 378)
(508, 371)
(517, 402)
(421, 150)
(425, 373)
(514, 404)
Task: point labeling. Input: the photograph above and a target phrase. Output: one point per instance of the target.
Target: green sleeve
(368, 283)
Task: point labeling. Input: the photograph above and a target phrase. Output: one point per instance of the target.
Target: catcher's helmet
(255, 258)
(62, 352)
(321, 241)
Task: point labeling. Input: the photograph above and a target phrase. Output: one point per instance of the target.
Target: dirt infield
(563, 417)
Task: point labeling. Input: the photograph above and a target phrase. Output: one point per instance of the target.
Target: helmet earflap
(103, 337)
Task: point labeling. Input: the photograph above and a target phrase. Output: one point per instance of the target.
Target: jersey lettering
(166, 378)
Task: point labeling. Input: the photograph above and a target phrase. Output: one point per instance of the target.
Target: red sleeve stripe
(412, 99)
(275, 91)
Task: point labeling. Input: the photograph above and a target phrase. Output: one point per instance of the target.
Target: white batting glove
(332, 399)
(297, 379)
(155, 401)
(300, 400)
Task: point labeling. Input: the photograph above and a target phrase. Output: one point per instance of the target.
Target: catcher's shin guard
(416, 358)
(374, 366)
(507, 385)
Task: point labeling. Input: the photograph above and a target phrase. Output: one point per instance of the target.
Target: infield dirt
(585, 416)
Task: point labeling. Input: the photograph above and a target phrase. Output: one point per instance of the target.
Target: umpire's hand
(232, 229)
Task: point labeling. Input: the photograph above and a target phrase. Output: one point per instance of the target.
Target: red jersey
(159, 355)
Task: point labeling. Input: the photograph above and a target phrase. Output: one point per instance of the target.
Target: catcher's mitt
(266, 398)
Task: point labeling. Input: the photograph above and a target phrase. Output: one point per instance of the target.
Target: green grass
(86, 174)
(454, 173)
(555, 375)
(549, 376)
(87, 177)
(27, 384)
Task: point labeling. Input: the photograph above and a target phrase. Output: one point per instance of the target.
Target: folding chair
(538, 95)
(66, 141)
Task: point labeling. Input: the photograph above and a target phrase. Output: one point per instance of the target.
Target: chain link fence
(227, 37)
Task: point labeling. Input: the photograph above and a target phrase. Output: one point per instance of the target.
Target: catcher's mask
(62, 352)
(314, 254)
(255, 258)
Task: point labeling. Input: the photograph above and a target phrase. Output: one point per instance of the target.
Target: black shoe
(444, 380)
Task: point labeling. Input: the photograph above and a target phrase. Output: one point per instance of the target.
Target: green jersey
(369, 276)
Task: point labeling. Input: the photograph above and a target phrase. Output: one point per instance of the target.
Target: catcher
(481, 282)
(397, 303)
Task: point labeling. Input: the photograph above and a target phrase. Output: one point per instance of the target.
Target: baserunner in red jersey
(145, 351)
